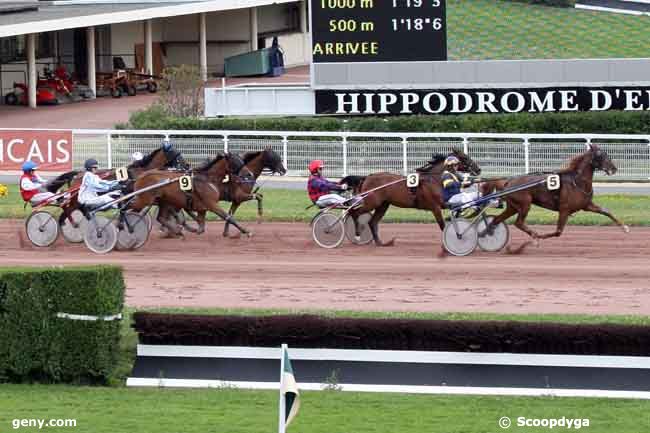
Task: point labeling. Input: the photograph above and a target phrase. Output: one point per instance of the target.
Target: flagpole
(282, 408)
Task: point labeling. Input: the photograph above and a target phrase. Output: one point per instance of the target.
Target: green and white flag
(289, 394)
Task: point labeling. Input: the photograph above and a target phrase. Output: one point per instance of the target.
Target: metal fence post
(285, 152)
(109, 150)
(225, 143)
(345, 155)
(649, 155)
(466, 145)
(405, 162)
(527, 154)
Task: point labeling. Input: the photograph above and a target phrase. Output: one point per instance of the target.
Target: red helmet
(315, 165)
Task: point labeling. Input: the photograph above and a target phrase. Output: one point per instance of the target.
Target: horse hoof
(626, 229)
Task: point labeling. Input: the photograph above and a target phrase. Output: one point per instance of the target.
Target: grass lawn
(497, 29)
(111, 410)
(289, 205)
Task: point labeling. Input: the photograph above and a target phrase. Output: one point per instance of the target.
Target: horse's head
(467, 164)
(600, 160)
(273, 162)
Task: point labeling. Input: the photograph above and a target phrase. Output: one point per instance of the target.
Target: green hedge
(610, 122)
(38, 345)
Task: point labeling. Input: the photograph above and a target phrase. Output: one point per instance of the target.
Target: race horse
(237, 191)
(391, 189)
(203, 197)
(575, 193)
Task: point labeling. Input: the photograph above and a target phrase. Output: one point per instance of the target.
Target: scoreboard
(349, 31)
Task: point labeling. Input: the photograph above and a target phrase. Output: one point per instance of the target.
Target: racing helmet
(29, 166)
(451, 160)
(315, 165)
(90, 164)
(167, 145)
(137, 156)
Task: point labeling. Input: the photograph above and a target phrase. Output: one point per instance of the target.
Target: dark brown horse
(426, 196)
(203, 197)
(239, 191)
(575, 193)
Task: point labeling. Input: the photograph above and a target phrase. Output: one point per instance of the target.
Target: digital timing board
(378, 30)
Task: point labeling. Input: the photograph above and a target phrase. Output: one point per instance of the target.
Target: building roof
(61, 15)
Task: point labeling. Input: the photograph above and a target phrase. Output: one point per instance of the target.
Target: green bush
(608, 122)
(38, 345)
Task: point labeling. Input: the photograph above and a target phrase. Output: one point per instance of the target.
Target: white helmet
(137, 156)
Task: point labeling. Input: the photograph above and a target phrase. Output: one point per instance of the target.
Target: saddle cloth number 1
(122, 174)
(185, 183)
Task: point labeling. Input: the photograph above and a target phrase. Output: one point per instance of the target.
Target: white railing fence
(347, 153)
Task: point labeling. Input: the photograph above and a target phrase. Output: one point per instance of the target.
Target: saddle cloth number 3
(412, 180)
(553, 182)
(185, 183)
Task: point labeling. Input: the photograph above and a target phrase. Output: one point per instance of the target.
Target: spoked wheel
(365, 234)
(463, 242)
(494, 241)
(73, 227)
(101, 235)
(134, 231)
(42, 229)
(328, 230)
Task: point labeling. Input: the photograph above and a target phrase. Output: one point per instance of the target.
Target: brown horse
(203, 197)
(238, 191)
(426, 196)
(575, 193)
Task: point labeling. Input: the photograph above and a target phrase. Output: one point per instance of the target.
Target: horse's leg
(561, 223)
(377, 215)
(164, 219)
(260, 209)
(593, 207)
(437, 213)
(231, 212)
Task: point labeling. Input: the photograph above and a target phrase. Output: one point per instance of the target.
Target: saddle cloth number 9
(185, 183)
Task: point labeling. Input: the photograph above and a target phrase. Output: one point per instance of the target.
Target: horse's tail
(354, 182)
(66, 178)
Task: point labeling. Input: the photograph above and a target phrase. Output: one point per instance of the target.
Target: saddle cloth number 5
(185, 183)
(553, 182)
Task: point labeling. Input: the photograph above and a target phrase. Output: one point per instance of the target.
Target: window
(14, 48)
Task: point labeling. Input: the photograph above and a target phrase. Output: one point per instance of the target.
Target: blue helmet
(451, 160)
(29, 166)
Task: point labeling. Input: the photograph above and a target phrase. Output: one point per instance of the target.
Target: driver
(174, 157)
(32, 186)
(452, 184)
(320, 189)
(92, 186)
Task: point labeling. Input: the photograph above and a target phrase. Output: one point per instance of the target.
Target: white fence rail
(347, 153)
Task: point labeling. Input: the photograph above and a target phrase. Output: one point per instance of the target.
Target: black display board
(378, 30)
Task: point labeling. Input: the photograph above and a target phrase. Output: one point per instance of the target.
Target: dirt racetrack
(593, 270)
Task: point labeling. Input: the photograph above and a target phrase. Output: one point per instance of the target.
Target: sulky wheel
(495, 241)
(365, 234)
(73, 227)
(463, 242)
(42, 229)
(328, 230)
(101, 235)
(133, 231)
